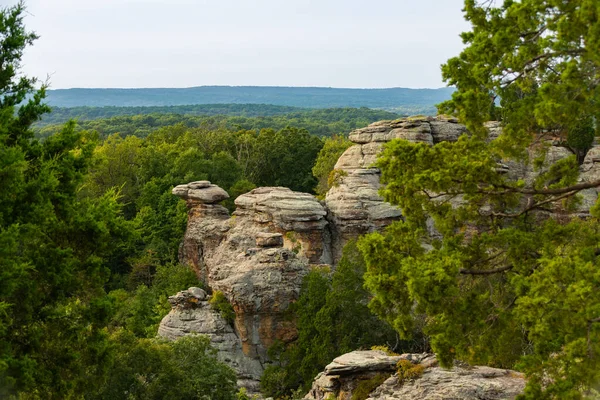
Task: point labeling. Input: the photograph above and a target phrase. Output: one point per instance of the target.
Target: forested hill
(396, 99)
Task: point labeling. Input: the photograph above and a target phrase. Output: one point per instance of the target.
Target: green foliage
(581, 137)
(332, 319)
(154, 369)
(366, 386)
(127, 121)
(56, 249)
(540, 59)
(237, 189)
(219, 303)
(385, 349)
(281, 152)
(408, 371)
(501, 282)
(328, 156)
(242, 394)
(274, 381)
(335, 177)
(141, 311)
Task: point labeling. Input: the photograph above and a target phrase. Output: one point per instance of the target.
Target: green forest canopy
(106, 121)
(89, 232)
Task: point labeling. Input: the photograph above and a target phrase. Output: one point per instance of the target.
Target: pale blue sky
(183, 43)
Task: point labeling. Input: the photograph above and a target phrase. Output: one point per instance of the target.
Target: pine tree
(508, 283)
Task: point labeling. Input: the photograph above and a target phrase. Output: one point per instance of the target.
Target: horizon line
(249, 86)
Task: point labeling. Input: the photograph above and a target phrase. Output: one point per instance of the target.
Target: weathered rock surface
(354, 204)
(265, 239)
(299, 217)
(589, 172)
(257, 257)
(344, 374)
(261, 283)
(192, 314)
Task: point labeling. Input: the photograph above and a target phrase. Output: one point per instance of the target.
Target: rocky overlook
(259, 255)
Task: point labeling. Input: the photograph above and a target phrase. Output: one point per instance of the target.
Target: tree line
(322, 122)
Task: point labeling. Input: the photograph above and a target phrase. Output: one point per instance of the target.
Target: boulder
(343, 376)
(201, 191)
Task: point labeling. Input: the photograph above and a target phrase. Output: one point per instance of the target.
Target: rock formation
(258, 256)
(354, 204)
(344, 375)
(192, 314)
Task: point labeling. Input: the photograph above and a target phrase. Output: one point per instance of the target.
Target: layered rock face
(257, 257)
(192, 314)
(207, 223)
(344, 375)
(354, 204)
(299, 217)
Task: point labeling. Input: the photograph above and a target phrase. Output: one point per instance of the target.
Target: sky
(185, 43)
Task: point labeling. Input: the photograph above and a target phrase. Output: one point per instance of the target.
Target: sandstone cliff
(258, 256)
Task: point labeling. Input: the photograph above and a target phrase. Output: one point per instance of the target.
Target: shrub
(385, 349)
(219, 303)
(365, 387)
(154, 369)
(409, 371)
(335, 177)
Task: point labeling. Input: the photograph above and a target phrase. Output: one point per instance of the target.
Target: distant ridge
(309, 97)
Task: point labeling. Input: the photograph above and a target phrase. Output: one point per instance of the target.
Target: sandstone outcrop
(344, 375)
(299, 217)
(192, 314)
(589, 172)
(259, 255)
(354, 203)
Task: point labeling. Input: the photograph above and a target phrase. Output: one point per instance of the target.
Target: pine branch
(485, 272)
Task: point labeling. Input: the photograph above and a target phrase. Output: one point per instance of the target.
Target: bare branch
(574, 188)
(532, 205)
(485, 272)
